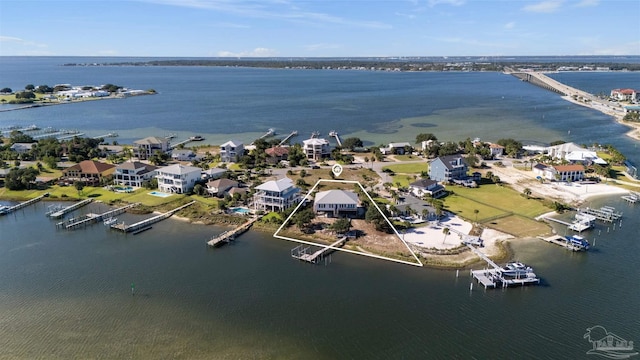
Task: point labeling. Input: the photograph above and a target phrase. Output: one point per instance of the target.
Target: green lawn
(465, 207)
(406, 157)
(414, 168)
(503, 198)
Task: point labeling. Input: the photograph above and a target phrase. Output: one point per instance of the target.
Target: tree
(374, 217)
(198, 189)
(527, 192)
(425, 137)
(303, 219)
(445, 231)
(352, 143)
(341, 225)
(6, 90)
(79, 185)
(20, 179)
(29, 87)
(475, 212)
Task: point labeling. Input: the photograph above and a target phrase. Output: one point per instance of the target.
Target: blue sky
(319, 28)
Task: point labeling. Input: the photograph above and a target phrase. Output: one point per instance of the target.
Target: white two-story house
(178, 179)
(133, 173)
(276, 195)
(231, 151)
(334, 203)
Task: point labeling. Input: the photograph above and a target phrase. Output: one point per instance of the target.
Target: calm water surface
(68, 294)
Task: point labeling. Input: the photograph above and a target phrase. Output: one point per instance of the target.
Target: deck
(227, 236)
(70, 208)
(88, 219)
(11, 209)
(145, 224)
(300, 252)
(560, 241)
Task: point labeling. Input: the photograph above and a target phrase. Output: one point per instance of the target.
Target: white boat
(196, 138)
(109, 221)
(578, 241)
(518, 270)
(4, 209)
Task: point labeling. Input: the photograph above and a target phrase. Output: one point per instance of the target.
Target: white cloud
(274, 9)
(408, 16)
(548, 6)
(510, 25)
(586, 3)
(446, 2)
(257, 52)
(10, 39)
(316, 47)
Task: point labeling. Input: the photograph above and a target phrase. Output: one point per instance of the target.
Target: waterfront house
(22, 148)
(568, 172)
(448, 168)
(183, 155)
(574, 154)
(316, 148)
(276, 154)
(220, 187)
(631, 169)
(89, 172)
(276, 195)
(334, 203)
(178, 179)
(630, 95)
(213, 173)
(429, 187)
(231, 151)
(133, 173)
(145, 148)
(496, 150)
(398, 148)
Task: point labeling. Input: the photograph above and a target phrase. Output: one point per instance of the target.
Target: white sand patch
(431, 236)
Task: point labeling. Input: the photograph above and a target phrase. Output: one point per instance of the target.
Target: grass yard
(414, 168)
(503, 198)
(402, 179)
(406, 157)
(519, 226)
(465, 208)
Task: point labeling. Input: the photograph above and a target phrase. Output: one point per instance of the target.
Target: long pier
(300, 252)
(85, 220)
(11, 209)
(293, 133)
(585, 222)
(147, 222)
(227, 236)
(560, 241)
(180, 143)
(68, 209)
(334, 134)
(490, 278)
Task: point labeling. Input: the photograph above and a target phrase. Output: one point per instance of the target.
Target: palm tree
(445, 231)
(475, 212)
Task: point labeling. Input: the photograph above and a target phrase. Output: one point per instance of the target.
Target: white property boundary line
(419, 263)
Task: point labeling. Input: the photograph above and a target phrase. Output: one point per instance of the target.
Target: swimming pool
(241, 210)
(122, 189)
(159, 194)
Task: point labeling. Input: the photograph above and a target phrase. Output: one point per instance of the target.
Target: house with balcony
(177, 179)
(428, 187)
(276, 195)
(231, 151)
(145, 148)
(89, 172)
(448, 168)
(276, 154)
(316, 148)
(183, 155)
(567, 172)
(397, 148)
(336, 203)
(133, 173)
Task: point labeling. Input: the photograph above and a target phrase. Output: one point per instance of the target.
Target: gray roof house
(336, 202)
(231, 151)
(146, 147)
(22, 148)
(427, 187)
(448, 168)
(220, 186)
(133, 173)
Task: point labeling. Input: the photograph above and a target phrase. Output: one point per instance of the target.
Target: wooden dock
(605, 213)
(300, 252)
(492, 278)
(227, 236)
(293, 133)
(560, 241)
(68, 209)
(88, 219)
(631, 198)
(147, 222)
(11, 209)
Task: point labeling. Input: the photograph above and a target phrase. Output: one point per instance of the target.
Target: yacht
(517, 269)
(4, 209)
(578, 241)
(109, 221)
(196, 138)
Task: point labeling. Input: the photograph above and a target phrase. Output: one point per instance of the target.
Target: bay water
(67, 294)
